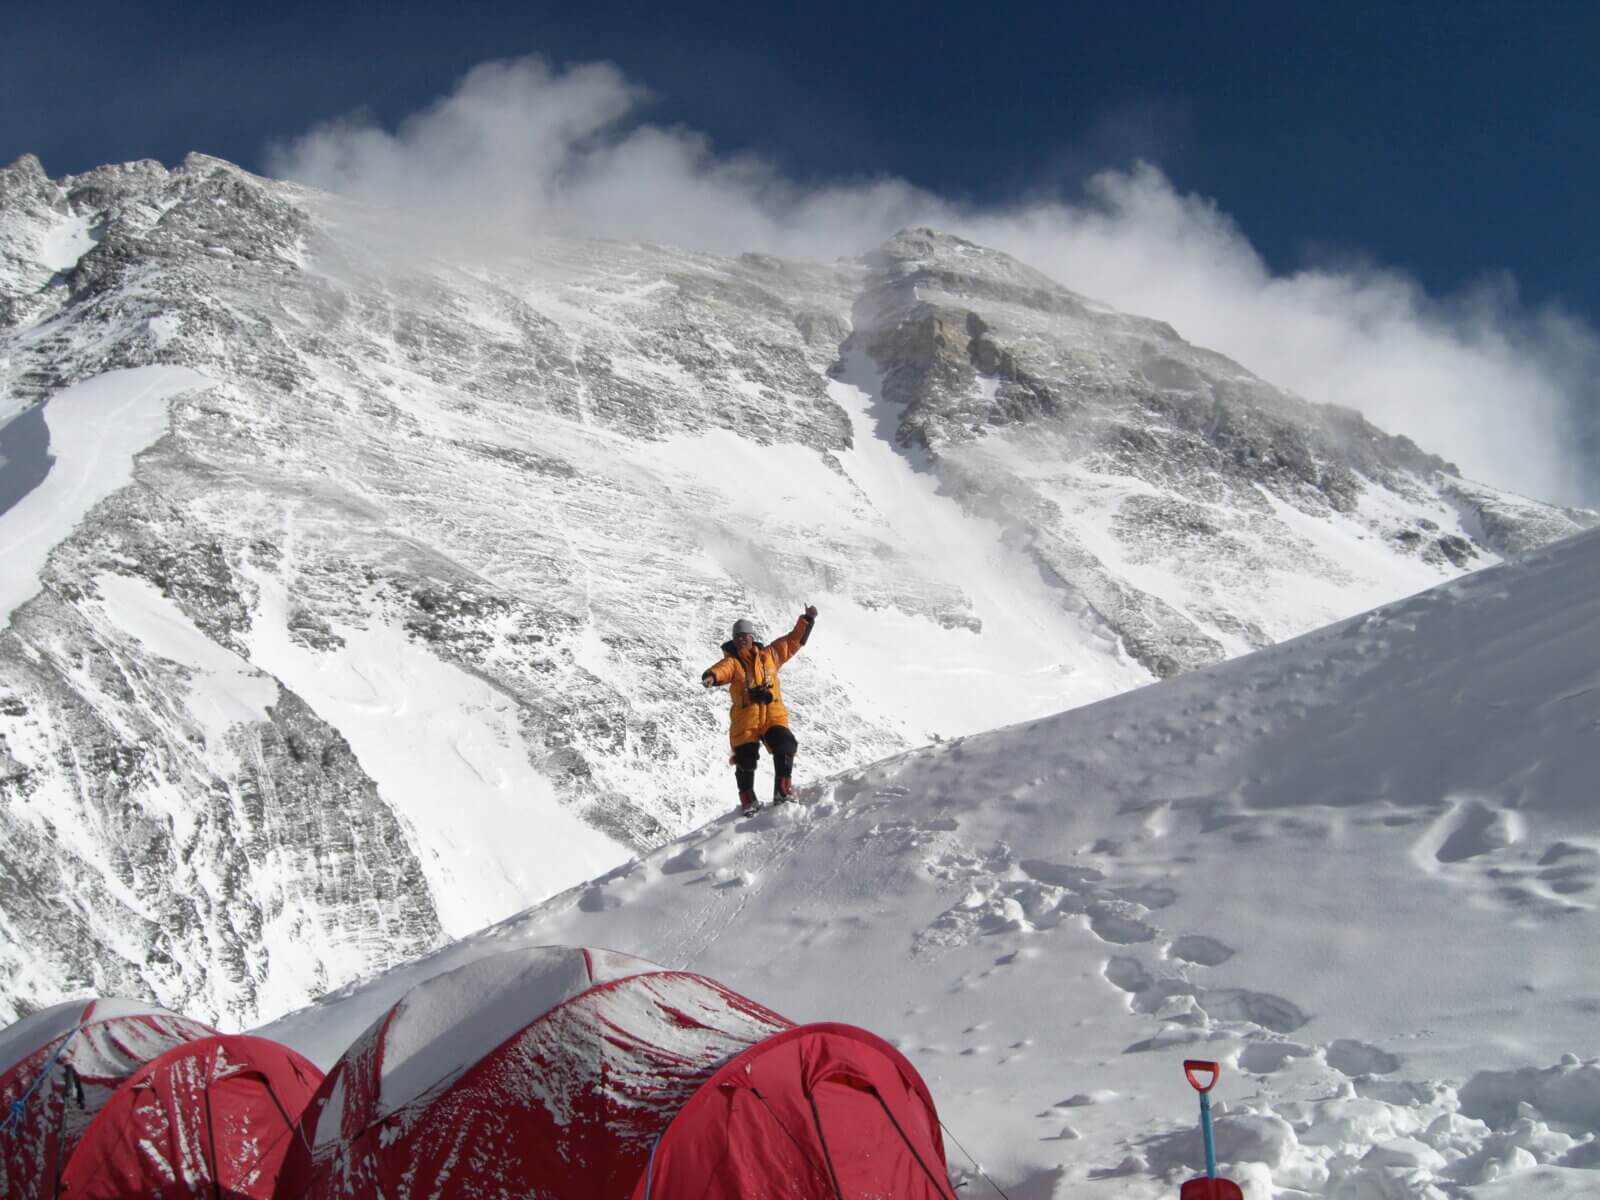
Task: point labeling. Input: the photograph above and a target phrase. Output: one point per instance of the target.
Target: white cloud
(520, 148)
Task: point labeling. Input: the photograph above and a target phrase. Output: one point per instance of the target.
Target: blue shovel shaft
(1205, 1129)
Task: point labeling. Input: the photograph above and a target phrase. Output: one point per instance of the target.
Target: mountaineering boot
(748, 804)
(783, 790)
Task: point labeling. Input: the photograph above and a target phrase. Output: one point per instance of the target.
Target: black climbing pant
(781, 744)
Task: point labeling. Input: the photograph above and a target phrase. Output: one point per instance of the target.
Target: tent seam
(827, 1155)
(888, 1112)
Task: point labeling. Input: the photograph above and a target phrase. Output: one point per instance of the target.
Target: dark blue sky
(1446, 139)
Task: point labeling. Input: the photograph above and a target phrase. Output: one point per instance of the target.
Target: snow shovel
(1209, 1188)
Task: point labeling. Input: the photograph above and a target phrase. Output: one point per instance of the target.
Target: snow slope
(1360, 869)
(96, 429)
(444, 749)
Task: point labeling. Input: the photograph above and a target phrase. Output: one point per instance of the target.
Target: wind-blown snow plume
(519, 147)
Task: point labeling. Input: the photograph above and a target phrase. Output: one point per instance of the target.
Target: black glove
(811, 613)
(761, 694)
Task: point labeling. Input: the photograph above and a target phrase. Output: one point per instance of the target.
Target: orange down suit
(749, 722)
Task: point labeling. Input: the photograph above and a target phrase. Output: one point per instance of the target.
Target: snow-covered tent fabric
(58, 1067)
(818, 1112)
(213, 1116)
(554, 1073)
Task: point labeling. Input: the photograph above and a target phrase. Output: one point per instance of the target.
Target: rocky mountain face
(1065, 422)
(464, 536)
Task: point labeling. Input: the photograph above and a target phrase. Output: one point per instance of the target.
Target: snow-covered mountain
(357, 589)
(1360, 869)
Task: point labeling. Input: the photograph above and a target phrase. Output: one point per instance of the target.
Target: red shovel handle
(1191, 1065)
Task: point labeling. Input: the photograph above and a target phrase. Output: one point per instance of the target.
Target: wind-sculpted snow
(1360, 869)
(464, 537)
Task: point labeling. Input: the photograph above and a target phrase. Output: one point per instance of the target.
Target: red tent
(569, 1074)
(818, 1112)
(58, 1067)
(210, 1117)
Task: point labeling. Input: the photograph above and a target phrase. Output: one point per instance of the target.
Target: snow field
(224, 690)
(445, 752)
(1010, 650)
(1357, 869)
(96, 429)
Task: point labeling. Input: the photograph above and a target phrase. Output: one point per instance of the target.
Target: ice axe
(1209, 1188)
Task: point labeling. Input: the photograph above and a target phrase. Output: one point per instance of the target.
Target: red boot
(748, 803)
(784, 790)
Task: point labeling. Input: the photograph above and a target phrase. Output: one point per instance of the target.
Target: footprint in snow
(1115, 922)
(598, 899)
(1474, 829)
(1128, 974)
(1174, 1000)
(961, 865)
(691, 859)
(1179, 1002)
(1062, 875)
(1354, 1058)
(618, 874)
(771, 816)
(1568, 869)
(1151, 895)
(1473, 842)
(989, 909)
(1201, 950)
(1255, 1008)
(606, 892)
(911, 835)
(1268, 1058)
